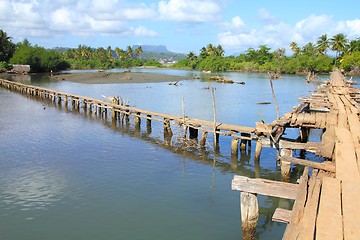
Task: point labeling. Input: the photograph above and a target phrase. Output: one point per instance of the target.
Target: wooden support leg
(235, 147)
(193, 133)
(148, 124)
(258, 149)
(203, 139)
(304, 134)
(137, 120)
(285, 166)
(249, 214)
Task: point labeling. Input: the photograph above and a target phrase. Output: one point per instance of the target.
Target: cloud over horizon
(183, 23)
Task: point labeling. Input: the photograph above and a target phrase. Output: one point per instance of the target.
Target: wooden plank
(346, 162)
(351, 208)
(327, 144)
(327, 166)
(298, 209)
(282, 215)
(307, 231)
(264, 187)
(329, 221)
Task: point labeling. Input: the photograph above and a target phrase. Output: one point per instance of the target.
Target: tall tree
(129, 51)
(295, 48)
(322, 44)
(338, 44)
(138, 51)
(7, 48)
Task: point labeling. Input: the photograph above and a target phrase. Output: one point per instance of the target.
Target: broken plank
(329, 221)
(282, 215)
(327, 166)
(264, 187)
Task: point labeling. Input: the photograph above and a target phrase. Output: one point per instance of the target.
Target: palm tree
(219, 51)
(338, 44)
(203, 52)
(322, 44)
(129, 51)
(294, 47)
(109, 53)
(7, 48)
(354, 46)
(138, 51)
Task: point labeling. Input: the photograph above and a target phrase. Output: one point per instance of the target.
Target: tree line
(82, 57)
(312, 57)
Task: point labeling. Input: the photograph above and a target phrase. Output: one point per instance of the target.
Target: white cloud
(190, 11)
(277, 34)
(39, 18)
(266, 17)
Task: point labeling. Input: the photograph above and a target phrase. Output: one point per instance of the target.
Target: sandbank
(117, 77)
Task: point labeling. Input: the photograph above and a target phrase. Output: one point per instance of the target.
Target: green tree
(129, 51)
(338, 44)
(7, 48)
(322, 44)
(138, 51)
(295, 48)
(351, 61)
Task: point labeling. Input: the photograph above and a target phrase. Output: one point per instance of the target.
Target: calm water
(64, 175)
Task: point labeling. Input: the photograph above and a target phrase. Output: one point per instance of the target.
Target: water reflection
(32, 188)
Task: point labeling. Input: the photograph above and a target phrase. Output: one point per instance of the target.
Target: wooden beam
(282, 215)
(264, 187)
(326, 166)
(329, 221)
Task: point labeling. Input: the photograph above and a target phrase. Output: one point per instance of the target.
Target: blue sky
(181, 25)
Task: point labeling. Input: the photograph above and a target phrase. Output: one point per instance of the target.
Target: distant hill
(152, 48)
(160, 53)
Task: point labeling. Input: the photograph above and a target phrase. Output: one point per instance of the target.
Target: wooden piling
(148, 124)
(203, 138)
(258, 149)
(137, 119)
(249, 214)
(285, 165)
(235, 147)
(193, 133)
(167, 127)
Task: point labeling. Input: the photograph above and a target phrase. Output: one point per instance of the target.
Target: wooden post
(167, 127)
(258, 149)
(216, 135)
(148, 124)
(244, 142)
(304, 134)
(137, 120)
(193, 133)
(235, 147)
(127, 120)
(249, 214)
(285, 166)
(203, 139)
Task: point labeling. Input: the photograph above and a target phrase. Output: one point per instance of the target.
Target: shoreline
(115, 77)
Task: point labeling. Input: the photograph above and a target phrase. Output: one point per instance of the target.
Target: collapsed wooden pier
(241, 135)
(327, 195)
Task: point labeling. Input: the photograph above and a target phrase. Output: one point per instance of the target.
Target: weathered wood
(329, 220)
(264, 187)
(282, 215)
(258, 149)
(285, 166)
(234, 147)
(327, 145)
(310, 211)
(327, 166)
(351, 207)
(249, 214)
(203, 138)
(298, 208)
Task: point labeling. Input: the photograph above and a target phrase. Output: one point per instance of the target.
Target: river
(65, 175)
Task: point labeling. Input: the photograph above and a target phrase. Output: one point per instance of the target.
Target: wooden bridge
(326, 199)
(241, 135)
